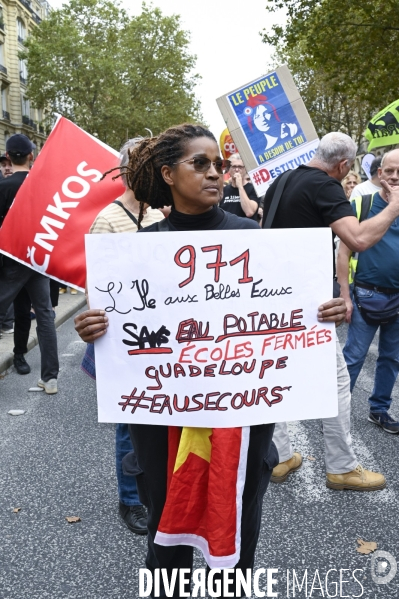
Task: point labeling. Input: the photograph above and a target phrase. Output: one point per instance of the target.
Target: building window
(4, 103)
(25, 107)
(21, 30)
(23, 71)
(4, 98)
(1, 18)
(2, 57)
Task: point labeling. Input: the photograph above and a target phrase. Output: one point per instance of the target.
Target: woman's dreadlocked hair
(143, 172)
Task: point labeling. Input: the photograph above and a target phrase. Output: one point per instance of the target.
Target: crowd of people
(182, 168)
(175, 182)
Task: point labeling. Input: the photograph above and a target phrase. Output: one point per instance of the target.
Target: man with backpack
(312, 196)
(374, 301)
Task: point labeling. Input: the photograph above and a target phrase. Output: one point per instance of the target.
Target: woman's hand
(91, 325)
(333, 311)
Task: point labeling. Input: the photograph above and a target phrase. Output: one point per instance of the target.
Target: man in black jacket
(15, 276)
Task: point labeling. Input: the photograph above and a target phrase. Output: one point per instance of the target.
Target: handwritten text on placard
(213, 328)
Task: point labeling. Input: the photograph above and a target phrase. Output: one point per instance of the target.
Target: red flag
(204, 499)
(57, 203)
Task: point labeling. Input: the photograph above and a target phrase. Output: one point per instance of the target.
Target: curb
(6, 360)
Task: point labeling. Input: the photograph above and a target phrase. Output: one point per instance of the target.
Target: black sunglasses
(202, 165)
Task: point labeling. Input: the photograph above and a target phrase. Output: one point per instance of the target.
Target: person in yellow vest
(374, 302)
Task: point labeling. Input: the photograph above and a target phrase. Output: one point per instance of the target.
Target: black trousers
(151, 452)
(23, 321)
(22, 304)
(15, 276)
(55, 292)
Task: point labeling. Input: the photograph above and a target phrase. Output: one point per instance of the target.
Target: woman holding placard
(182, 168)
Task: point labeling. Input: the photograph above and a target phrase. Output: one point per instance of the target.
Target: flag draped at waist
(206, 477)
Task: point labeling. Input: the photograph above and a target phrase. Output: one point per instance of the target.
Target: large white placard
(213, 328)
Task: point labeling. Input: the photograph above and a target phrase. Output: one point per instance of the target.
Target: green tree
(354, 43)
(111, 74)
(329, 107)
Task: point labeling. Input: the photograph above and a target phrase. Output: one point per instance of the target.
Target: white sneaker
(7, 331)
(50, 386)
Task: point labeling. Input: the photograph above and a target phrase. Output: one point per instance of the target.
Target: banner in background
(227, 145)
(270, 126)
(383, 129)
(366, 164)
(58, 202)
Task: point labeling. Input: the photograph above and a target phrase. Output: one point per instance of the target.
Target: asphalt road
(57, 461)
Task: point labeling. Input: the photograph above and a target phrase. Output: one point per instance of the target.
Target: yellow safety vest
(360, 208)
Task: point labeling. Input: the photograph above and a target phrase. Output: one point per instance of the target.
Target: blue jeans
(360, 336)
(127, 486)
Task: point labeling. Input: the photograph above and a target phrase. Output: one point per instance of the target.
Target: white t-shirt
(363, 189)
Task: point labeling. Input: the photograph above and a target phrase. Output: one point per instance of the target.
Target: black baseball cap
(19, 145)
(3, 157)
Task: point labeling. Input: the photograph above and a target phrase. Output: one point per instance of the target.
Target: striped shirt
(113, 219)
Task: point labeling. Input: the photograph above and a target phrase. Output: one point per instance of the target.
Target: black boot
(135, 518)
(20, 364)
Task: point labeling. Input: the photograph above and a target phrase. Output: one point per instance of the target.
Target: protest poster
(383, 129)
(213, 328)
(227, 148)
(58, 202)
(270, 126)
(226, 144)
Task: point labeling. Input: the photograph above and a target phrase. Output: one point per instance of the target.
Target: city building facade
(17, 115)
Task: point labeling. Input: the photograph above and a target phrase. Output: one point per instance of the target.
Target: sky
(225, 37)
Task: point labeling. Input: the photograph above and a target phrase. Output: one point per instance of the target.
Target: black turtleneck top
(216, 218)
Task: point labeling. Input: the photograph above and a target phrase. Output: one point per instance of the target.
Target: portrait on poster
(267, 119)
